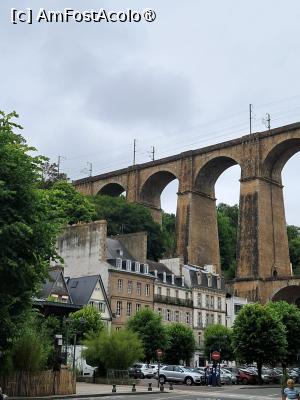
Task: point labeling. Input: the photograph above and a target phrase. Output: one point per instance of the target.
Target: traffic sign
(215, 355)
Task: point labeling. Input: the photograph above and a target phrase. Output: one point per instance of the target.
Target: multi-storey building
(209, 303)
(172, 296)
(130, 288)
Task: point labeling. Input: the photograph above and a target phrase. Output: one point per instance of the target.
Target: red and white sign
(215, 355)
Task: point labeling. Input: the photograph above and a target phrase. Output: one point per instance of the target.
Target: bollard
(133, 388)
(149, 387)
(114, 389)
(161, 388)
(171, 386)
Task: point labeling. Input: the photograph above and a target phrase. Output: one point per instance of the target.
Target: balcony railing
(159, 298)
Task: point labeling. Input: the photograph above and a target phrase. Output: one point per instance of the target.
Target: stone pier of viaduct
(263, 264)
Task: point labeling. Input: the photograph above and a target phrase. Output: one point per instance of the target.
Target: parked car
(141, 371)
(199, 371)
(246, 377)
(177, 373)
(232, 377)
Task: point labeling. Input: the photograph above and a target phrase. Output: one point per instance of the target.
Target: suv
(177, 373)
(141, 371)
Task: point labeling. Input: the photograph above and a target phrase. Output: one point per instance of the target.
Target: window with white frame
(138, 288)
(146, 269)
(219, 282)
(206, 319)
(129, 309)
(168, 292)
(119, 309)
(199, 299)
(199, 319)
(219, 319)
(129, 287)
(176, 293)
(137, 267)
(187, 317)
(209, 280)
(119, 263)
(128, 265)
(212, 302)
(138, 307)
(147, 290)
(219, 303)
(168, 315)
(159, 311)
(120, 285)
(177, 316)
(207, 301)
(159, 290)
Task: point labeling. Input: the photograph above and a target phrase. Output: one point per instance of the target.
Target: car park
(179, 374)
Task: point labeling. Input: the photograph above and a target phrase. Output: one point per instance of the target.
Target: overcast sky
(86, 90)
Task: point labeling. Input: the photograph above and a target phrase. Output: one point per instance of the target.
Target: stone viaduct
(263, 264)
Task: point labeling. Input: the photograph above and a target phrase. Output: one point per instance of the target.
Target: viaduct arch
(263, 264)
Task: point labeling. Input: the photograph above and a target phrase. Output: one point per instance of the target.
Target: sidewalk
(85, 389)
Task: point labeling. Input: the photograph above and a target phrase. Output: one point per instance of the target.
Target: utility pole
(267, 121)
(90, 168)
(153, 153)
(250, 116)
(134, 150)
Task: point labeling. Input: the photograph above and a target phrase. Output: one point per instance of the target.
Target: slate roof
(50, 285)
(204, 280)
(82, 288)
(113, 245)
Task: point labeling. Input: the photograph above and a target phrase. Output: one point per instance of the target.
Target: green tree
(115, 350)
(124, 217)
(85, 321)
(169, 234)
(27, 234)
(50, 174)
(33, 346)
(258, 336)
(148, 325)
(65, 203)
(289, 315)
(218, 338)
(181, 343)
(227, 228)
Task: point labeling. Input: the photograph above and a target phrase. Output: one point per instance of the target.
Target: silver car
(177, 373)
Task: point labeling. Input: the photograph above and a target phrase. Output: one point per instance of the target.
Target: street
(195, 392)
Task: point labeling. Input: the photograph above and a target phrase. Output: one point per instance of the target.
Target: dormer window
(173, 279)
(164, 277)
(182, 280)
(209, 280)
(146, 269)
(120, 252)
(137, 267)
(199, 278)
(219, 282)
(119, 263)
(128, 265)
